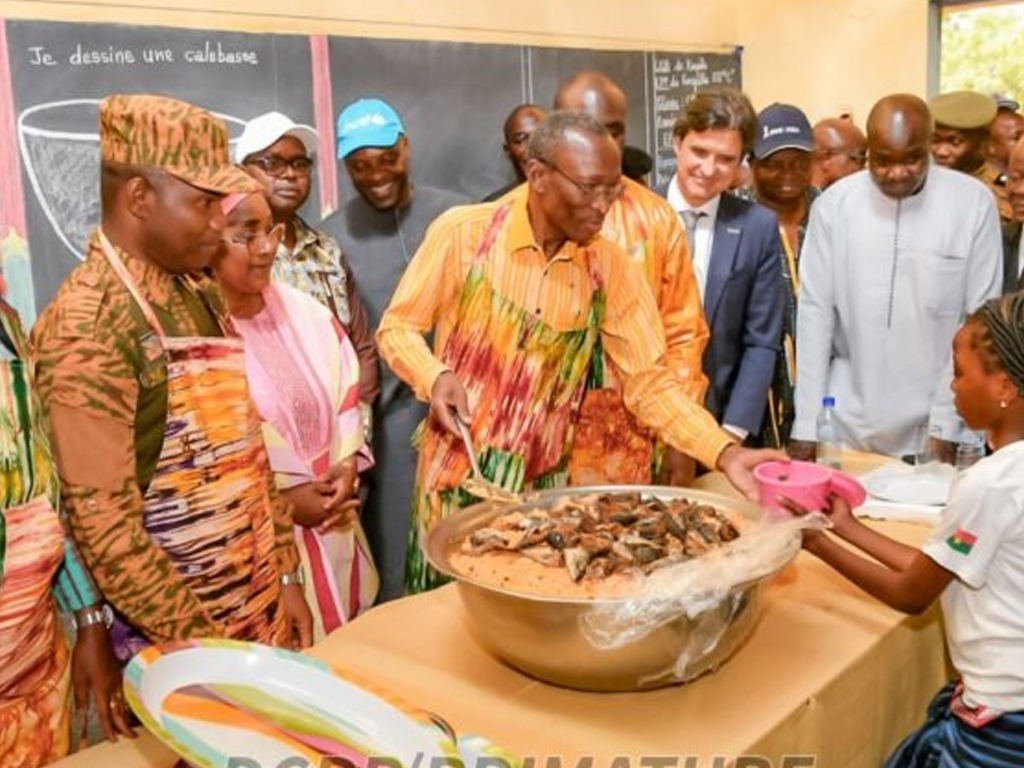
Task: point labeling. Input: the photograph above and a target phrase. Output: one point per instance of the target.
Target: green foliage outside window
(983, 50)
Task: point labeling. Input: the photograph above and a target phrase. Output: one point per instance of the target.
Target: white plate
(910, 485)
(211, 700)
(478, 752)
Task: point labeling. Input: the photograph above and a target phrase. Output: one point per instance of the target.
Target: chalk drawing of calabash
(62, 162)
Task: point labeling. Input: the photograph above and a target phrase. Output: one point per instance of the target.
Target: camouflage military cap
(174, 136)
(963, 109)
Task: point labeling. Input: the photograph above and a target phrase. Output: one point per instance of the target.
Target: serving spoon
(478, 485)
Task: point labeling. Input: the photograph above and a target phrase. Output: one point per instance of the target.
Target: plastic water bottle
(830, 450)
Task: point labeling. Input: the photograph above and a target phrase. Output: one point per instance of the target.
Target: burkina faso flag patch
(962, 541)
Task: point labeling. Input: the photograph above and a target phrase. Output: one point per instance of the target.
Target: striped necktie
(690, 219)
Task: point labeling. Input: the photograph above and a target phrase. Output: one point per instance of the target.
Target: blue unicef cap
(367, 123)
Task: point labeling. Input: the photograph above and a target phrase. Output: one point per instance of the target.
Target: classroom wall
(824, 55)
(833, 56)
(606, 23)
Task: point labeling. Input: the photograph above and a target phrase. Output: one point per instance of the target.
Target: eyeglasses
(592, 191)
(254, 241)
(275, 165)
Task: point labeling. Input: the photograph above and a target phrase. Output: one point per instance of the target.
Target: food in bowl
(590, 545)
(543, 635)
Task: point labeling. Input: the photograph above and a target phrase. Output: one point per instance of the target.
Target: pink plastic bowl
(809, 485)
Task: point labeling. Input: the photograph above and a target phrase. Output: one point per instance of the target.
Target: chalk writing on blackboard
(208, 52)
(675, 77)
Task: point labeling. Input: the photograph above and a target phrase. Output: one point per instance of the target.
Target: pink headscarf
(230, 202)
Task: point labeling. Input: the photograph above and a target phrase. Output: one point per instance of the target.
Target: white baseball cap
(266, 129)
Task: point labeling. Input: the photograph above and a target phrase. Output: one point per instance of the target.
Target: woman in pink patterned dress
(303, 375)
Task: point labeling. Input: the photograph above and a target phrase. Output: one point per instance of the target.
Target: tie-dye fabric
(34, 668)
(611, 447)
(35, 729)
(525, 380)
(34, 702)
(207, 506)
(26, 465)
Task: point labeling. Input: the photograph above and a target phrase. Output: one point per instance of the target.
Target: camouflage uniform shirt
(102, 375)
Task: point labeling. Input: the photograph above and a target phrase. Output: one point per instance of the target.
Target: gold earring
(1002, 404)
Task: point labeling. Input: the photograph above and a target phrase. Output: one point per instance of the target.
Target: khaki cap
(963, 109)
(177, 137)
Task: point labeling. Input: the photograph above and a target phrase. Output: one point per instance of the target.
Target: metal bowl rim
(446, 529)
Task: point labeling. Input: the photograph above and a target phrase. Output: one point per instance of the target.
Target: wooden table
(829, 673)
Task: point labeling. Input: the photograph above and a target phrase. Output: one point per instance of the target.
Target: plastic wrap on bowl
(702, 590)
(683, 622)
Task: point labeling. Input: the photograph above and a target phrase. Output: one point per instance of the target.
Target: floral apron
(207, 505)
(610, 446)
(524, 381)
(34, 663)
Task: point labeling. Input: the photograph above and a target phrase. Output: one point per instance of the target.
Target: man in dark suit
(736, 255)
(1013, 260)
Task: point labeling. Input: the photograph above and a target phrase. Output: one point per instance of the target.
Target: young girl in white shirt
(973, 560)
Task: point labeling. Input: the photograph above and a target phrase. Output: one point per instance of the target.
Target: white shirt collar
(1020, 255)
(678, 202)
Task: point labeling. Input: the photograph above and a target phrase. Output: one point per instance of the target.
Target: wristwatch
(100, 614)
(296, 577)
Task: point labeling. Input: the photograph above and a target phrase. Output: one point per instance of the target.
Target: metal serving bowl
(542, 636)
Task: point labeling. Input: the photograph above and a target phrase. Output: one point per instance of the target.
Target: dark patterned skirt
(946, 741)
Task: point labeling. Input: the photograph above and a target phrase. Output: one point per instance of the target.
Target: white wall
(823, 55)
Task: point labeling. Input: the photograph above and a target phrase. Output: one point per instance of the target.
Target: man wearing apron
(518, 292)
(162, 467)
(38, 564)
(611, 447)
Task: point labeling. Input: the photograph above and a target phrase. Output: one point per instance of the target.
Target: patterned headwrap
(1004, 319)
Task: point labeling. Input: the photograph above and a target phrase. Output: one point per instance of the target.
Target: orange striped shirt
(644, 225)
(559, 292)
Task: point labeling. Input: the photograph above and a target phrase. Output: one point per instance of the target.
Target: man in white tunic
(895, 258)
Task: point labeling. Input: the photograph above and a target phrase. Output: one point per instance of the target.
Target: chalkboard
(674, 78)
(549, 67)
(59, 74)
(453, 98)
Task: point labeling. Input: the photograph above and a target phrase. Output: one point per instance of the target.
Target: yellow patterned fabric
(643, 224)
(556, 291)
(36, 730)
(34, 703)
(509, 361)
(612, 446)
